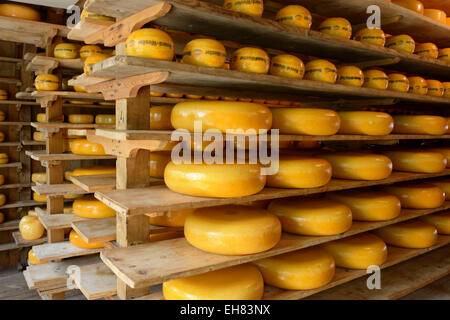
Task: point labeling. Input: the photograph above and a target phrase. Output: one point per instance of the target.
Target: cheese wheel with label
(444, 54)
(95, 170)
(47, 82)
(288, 66)
(368, 205)
(440, 220)
(428, 49)
(171, 218)
(66, 51)
(375, 79)
(321, 70)
(150, 43)
(81, 118)
(420, 124)
(250, 59)
(250, 7)
(89, 207)
(413, 234)
(417, 195)
(295, 15)
(416, 160)
(160, 118)
(358, 252)
(435, 88)
(338, 27)
(372, 36)
(365, 122)
(241, 282)
(402, 43)
(89, 50)
(350, 76)
(316, 122)
(444, 184)
(418, 85)
(204, 52)
(158, 162)
(305, 269)
(77, 241)
(105, 119)
(312, 216)
(398, 82)
(84, 147)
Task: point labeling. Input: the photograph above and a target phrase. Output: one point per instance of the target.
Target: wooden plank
(8, 246)
(32, 143)
(21, 204)
(16, 82)
(57, 189)
(64, 125)
(9, 225)
(16, 185)
(96, 281)
(21, 242)
(42, 64)
(93, 183)
(87, 27)
(61, 250)
(153, 263)
(39, 155)
(68, 95)
(14, 123)
(9, 144)
(11, 165)
(58, 221)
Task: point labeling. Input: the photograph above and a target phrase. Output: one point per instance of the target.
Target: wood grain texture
(60, 250)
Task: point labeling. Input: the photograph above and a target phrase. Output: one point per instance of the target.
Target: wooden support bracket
(40, 65)
(46, 101)
(120, 31)
(372, 63)
(47, 38)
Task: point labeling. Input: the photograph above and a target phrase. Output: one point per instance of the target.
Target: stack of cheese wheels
(105, 119)
(444, 184)
(369, 205)
(440, 220)
(160, 118)
(89, 207)
(39, 177)
(84, 147)
(443, 150)
(171, 218)
(417, 160)
(31, 228)
(305, 269)
(95, 170)
(365, 122)
(242, 282)
(358, 165)
(358, 252)
(4, 158)
(420, 124)
(158, 162)
(81, 118)
(232, 229)
(417, 195)
(32, 259)
(76, 240)
(413, 234)
(312, 216)
(316, 122)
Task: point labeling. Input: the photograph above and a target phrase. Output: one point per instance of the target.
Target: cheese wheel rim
(413, 234)
(89, 207)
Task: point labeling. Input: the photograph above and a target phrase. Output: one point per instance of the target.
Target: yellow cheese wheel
(436, 14)
(39, 198)
(288, 66)
(105, 119)
(32, 259)
(312, 216)
(358, 166)
(420, 124)
(156, 94)
(84, 147)
(350, 76)
(19, 11)
(95, 170)
(4, 158)
(2, 116)
(77, 241)
(160, 118)
(2, 199)
(3, 94)
(446, 89)
(417, 195)
(79, 89)
(39, 136)
(338, 27)
(371, 36)
(435, 88)
(413, 5)
(39, 177)
(31, 228)
(418, 85)
(81, 118)
(321, 70)
(41, 117)
(68, 174)
(171, 218)
(89, 50)
(416, 160)
(250, 7)
(402, 43)
(2, 179)
(205, 52)
(47, 82)
(306, 121)
(158, 162)
(221, 115)
(242, 282)
(92, 15)
(444, 150)
(294, 15)
(428, 49)
(444, 184)
(93, 59)
(444, 54)
(300, 172)
(413, 234)
(194, 96)
(2, 136)
(232, 229)
(67, 209)
(66, 51)
(249, 59)
(369, 205)
(358, 252)
(375, 79)
(398, 82)
(175, 95)
(89, 207)
(150, 43)
(441, 221)
(365, 122)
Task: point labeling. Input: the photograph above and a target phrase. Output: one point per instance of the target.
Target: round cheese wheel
(249, 59)
(413, 5)
(368, 205)
(375, 79)
(288, 66)
(39, 177)
(402, 43)
(3, 94)
(92, 15)
(428, 49)
(300, 172)
(2, 179)
(441, 221)
(72, 196)
(160, 118)
(446, 90)
(205, 52)
(221, 115)
(158, 162)
(150, 43)
(105, 119)
(444, 54)
(316, 122)
(93, 59)
(81, 118)
(321, 70)
(32, 259)
(418, 85)
(84, 147)
(420, 124)
(31, 228)
(371, 36)
(4, 158)
(2, 136)
(89, 50)
(444, 184)
(242, 282)
(77, 241)
(436, 14)
(39, 198)
(359, 166)
(413, 234)
(68, 174)
(66, 51)
(47, 82)
(435, 88)
(416, 160)
(19, 11)
(365, 122)
(232, 229)
(175, 95)
(95, 170)
(89, 207)
(38, 136)
(358, 252)
(338, 27)
(171, 218)
(350, 76)
(417, 195)
(2, 116)
(252, 8)
(312, 216)
(2, 199)
(398, 82)
(295, 15)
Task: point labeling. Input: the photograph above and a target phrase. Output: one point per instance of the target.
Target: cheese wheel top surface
(365, 122)
(305, 121)
(417, 195)
(409, 234)
(417, 160)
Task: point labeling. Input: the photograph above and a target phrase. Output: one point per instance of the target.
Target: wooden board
(87, 27)
(14, 123)
(11, 165)
(93, 183)
(16, 186)
(96, 281)
(59, 221)
(21, 242)
(64, 125)
(9, 225)
(14, 81)
(68, 95)
(57, 189)
(42, 156)
(9, 144)
(8, 246)
(42, 64)
(22, 204)
(153, 263)
(60, 250)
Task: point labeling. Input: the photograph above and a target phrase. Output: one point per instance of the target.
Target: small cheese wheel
(66, 51)
(68, 174)
(105, 119)
(417, 195)
(95, 170)
(32, 259)
(371, 36)
(252, 8)
(444, 150)
(81, 118)
(441, 221)
(350, 76)
(413, 5)
(306, 121)
(435, 88)
(72, 196)
(84, 147)
(418, 85)
(150, 43)
(175, 95)
(420, 124)
(41, 117)
(39, 177)
(19, 11)
(321, 70)
(3, 94)
(47, 82)
(39, 198)
(369, 205)
(446, 89)
(2, 136)
(31, 228)
(2, 179)
(156, 94)
(444, 54)
(92, 15)
(413, 234)
(295, 15)
(89, 207)
(375, 79)
(2, 199)
(221, 115)
(312, 216)
(242, 282)
(38, 136)
(2, 116)
(305, 269)
(402, 43)
(249, 59)
(358, 252)
(89, 50)
(429, 50)
(300, 172)
(194, 96)
(171, 218)
(359, 166)
(2, 217)
(214, 180)
(77, 241)
(93, 59)
(416, 160)
(338, 27)
(205, 52)
(436, 14)
(444, 184)
(158, 162)
(4, 158)
(365, 122)
(398, 82)
(160, 118)
(288, 66)
(232, 229)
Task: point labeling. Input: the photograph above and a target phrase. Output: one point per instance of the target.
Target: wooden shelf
(54, 126)
(61, 250)
(19, 102)
(96, 281)
(12, 60)
(40, 155)
(14, 123)
(93, 183)
(68, 95)
(57, 189)
(16, 185)
(16, 82)
(58, 221)
(33, 143)
(10, 144)
(9, 225)
(11, 165)
(43, 64)
(21, 242)
(22, 204)
(8, 246)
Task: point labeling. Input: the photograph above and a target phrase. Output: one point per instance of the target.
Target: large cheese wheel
(338, 27)
(4, 158)
(66, 51)
(77, 241)
(402, 43)
(47, 82)
(214, 180)
(89, 50)
(305, 269)
(321, 70)
(444, 184)
(39, 177)
(418, 85)
(440, 220)
(416, 160)
(413, 234)
(81, 118)
(300, 172)
(150, 43)
(221, 115)
(312, 216)
(365, 122)
(89, 207)
(358, 165)
(358, 252)
(417, 195)
(398, 82)
(350, 76)
(160, 118)
(242, 282)
(84, 147)
(249, 59)
(3, 94)
(316, 122)
(295, 15)
(369, 205)
(31, 228)
(428, 49)
(420, 124)
(171, 218)
(288, 66)
(105, 119)
(95, 170)
(32, 259)
(205, 52)
(232, 229)
(158, 162)
(19, 11)
(375, 79)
